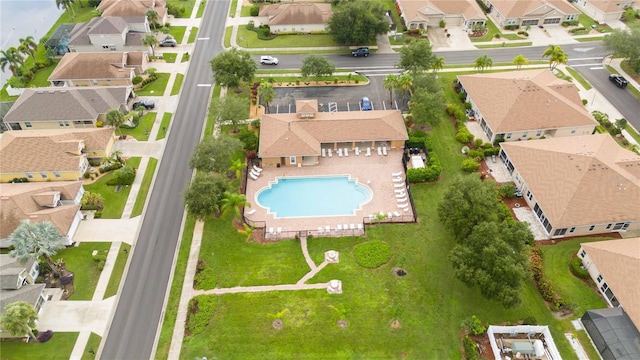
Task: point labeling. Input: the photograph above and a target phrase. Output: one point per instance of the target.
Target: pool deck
(373, 171)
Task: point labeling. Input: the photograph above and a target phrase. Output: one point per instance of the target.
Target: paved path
(265, 288)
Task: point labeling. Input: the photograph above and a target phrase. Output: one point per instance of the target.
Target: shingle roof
(617, 260)
(10, 269)
(71, 104)
(606, 6)
(96, 65)
(526, 100)
(293, 14)
(287, 135)
(131, 7)
(521, 8)
(49, 150)
(413, 9)
(29, 293)
(17, 203)
(579, 180)
(103, 25)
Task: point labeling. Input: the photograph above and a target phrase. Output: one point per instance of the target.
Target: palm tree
(266, 93)
(29, 47)
(556, 56)
(11, 58)
(233, 202)
(390, 82)
(32, 240)
(153, 17)
(114, 118)
(236, 167)
(19, 318)
(520, 60)
(151, 41)
(67, 5)
(93, 199)
(438, 64)
(248, 230)
(483, 62)
(405, 83)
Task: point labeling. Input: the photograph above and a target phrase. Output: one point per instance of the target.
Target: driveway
(108, 230)
(76, 316)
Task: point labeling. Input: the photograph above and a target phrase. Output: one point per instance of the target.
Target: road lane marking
(204, 85)
(582, 65)
(203, 38)
(588, 58)
(597, 68)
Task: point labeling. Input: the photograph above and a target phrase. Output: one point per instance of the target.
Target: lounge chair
(379, 151)
(340, 152)
(257, 169)
(357, 150)
(398, 185)
(250, 212)
(403, 206)
(389, 215)
(401, 200)
(397, 214)
(384, 151)
(399, 173)
(254, 172)
(346, 152)
(330, 153)
(253, 176)
(399, 191)
(270, 230)
(345, 226)
(339, 227)
(368, 152)
(352, 226)
(327, 229)
(324, 152)
(360, 227)
(397, 180)
(279, 230)
(320, 229)
(401, 194)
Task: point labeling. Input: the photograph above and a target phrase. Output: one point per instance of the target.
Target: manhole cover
(399, 272)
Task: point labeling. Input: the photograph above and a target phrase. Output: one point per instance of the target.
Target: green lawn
(576, 75)
(113, 201)
(249, 39)
(58, 348)
(187, 5)
(93, 344)
(505, 44)
(164, 126)
(193, 35)
(493, 30)
(177, 84)
(625, 66)
(201, 8)
(211, 120)
(144, 187)
(232, 9)
(141, 132)
(155, 88)
(118, 270)
(178, 32)
(428, 302)
(227, 36)
(169, 57)
(587, 22)
(85, 269)
(245, 11)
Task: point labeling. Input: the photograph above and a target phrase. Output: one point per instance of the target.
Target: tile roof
(616, 260)
(29, 293)
(96, 65)
(131, 7)
(522, 8)
(413, 9)
(287, 134)
(606, 6)
(526, 100)
(18, 202)
(103, 25)
(579, 180)
(293, 14)
(71, 104)
(50, 150)
(10, 269)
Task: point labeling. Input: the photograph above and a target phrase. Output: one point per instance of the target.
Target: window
(599, 279)
(573, 131)
(57, 174)
(573, 228)
(292, 159)
(529, 195)
(583, 253)
(509, 136)
(539, 133)
(570, 17)
(621, 226)
(560, 232)
(44, 175)
(592, 227)
(27, 124)
(609, 226)
(29, 175)
(105, 47)
(604, 287)
(524, 135)
(552, 21)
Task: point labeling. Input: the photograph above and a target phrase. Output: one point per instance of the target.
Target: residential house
(526, 104)
(523, 13)
(420, 14)
(526, 340)
(52, 155)
(17, 283)
(577, 185)
(109, 33)
(298, 17)
(126, 8)
(99, 69)
(66, 108)
(298, 139)
(604, 11)
(57, 202)
(613, 333)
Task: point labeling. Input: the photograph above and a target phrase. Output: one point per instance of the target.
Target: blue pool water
(313, 196)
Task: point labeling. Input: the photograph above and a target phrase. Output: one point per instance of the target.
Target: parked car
(146, 103)
(619, 80)
(268, 60)
(361, 51)
(365, 104)
(168, 42)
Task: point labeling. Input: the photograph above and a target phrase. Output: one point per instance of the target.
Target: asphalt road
(140, 307)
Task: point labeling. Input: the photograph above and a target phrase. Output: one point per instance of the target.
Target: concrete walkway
(265, 288)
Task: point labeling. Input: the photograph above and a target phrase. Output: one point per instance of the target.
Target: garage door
(529, 22)
(552, 21)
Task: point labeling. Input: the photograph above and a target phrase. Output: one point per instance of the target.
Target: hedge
(372, 254)
(577, 270)
(200, 313)
(124, 176)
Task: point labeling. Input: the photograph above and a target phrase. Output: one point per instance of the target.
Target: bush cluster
(470, 349)
(463, 135)
(255, 10)
(372, 254)
(45, 336)
(124, 176)
(544, 285)
(101, 260)
(136, 80)
(200, 313)
(578, 29)
(263, 31)
(576, 268)
(175, 10)
(19, 180)
(429, 173)
(205, 277)
(512, 27)
(97, 214)
(110, 167)
(151, 78)
(570, 23)
(94, 162)
(469, 165)
(522, 32)
(457, 112)
(507, 191)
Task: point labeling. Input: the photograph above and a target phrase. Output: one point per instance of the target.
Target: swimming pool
(314, 196)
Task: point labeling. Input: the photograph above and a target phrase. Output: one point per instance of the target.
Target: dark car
(361, 51)
(147, 104)
(365, 104)
(619, 80)
(168, 42)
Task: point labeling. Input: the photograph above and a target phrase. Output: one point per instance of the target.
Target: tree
(427, 103)
(114, 118)
(405, 84)
(621, 124)
(10, 58)
(483, 62)
(317, 66)
(266, 93)
(153, 17)
(556, 56)
(93, 199)
(67, 5)
(19, 319)
(520, 60)
(438, 64)
(236, 167)
(28, 46)
(151, 41)
(358, 23)
(32, 240)
(390, 82)
(203, 194)
(468, 202)
(232, 66)
(416, 56)
(231, 108)
(233, 202)
(625, 44)
(493, 257)
(215, 154)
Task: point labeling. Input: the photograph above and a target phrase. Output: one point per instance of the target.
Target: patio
(373, 171)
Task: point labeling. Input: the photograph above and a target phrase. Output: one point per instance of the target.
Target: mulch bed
(56, 282)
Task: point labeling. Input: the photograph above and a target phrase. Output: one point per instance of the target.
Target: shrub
(419, 133)
(442, 23)
(529, 320)
(470, 349)
(416, 175)
(507, 191)
(99, 123)
(200, 313)
(462, 96)
(578, 29)
(19, 180)
(372, 254)
(512, 27)
(469, 165)
(463, 136)
(110, 167)
(255, 10)
(474, 326)
(249, 139)
(570, 23)
(45, 336)
(101, 260)
(124, 176)
(584, 101)
(97, 214)
(476, 154)
(136, 80)
(576, 268)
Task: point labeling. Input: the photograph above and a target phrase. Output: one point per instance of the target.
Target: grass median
(141, 199)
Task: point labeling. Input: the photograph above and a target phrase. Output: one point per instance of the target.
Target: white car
(268, 60)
